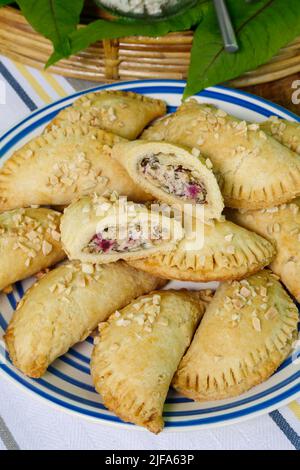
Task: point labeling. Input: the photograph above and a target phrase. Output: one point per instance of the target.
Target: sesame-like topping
(256, 323)
(271, 313)
(46, 248)
(87, 268)
(263, 135)
(208, 163)
(229, 237)
(122, 322)
(253, 127)
(195, 152)
(200, 141)
(230, 250)
(245, 292)
(221, 113)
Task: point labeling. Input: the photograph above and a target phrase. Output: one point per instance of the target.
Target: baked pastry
(221, 251)
(29, 243)
(63, 164)
(286, 132)
(246, 333)
(280, 225)
(139, 350)
(65, 306)
(242, 155)
(97, 229)
(172, 174)
(122, 112)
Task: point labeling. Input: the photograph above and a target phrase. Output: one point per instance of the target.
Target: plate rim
(243, 415)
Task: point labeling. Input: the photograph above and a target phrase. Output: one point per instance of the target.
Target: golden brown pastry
(122, 112)
(139, 350)
(100, 229)
(60, 166)
(29, 242)
(280, 225)
(286, 132)
(254, 171)
(246, 333)
(65, 306)
(172, 174)
(223, 251)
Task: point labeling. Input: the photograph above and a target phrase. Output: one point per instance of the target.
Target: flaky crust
(228, 252)
(286, 132)
(138, 351)
(254, 170)
(130, 155)
(62, 164)
(65, 306)
(92, 214)
(122, 112)
(29, 242)
(241, 340)
(280, 225)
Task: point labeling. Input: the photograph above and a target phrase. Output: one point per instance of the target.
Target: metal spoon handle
(228, 34)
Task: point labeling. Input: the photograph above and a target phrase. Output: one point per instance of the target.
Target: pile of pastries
(61, 196)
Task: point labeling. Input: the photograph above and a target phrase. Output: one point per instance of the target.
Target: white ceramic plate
(67, 384)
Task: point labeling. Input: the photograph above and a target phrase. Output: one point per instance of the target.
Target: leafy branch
(262, 28)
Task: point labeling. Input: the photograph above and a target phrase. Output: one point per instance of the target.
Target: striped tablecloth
(28, 423)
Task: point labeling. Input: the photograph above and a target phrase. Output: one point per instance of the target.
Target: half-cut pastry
(253, 169)
(139, 350)
(61, 165)
(221, 251)
(280, 225)
(96, 229)
(29, 242)
(122, 112)
(247, 331)
(65, 306)
(172, 174)
(286, 132)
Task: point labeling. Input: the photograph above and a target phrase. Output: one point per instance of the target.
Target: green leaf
(6, 2)
(262, 28)
(54, 19)
(101, 29)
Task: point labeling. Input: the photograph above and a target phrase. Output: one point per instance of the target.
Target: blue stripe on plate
(78, 355)
(20, 289)
(231, 405)
(175, 400)
(14, 140)
(75, 365)
(209, 420)
(217, 93)
(167, 89)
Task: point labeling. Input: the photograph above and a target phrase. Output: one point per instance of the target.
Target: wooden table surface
(280, 92)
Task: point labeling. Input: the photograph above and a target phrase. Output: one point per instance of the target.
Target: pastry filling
(174, 179)
(127, 239)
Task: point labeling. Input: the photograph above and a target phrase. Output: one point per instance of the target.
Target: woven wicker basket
(127, 58)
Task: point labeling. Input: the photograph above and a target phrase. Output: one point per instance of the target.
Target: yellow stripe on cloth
(295, 408)
(34, 83)
(54, 84)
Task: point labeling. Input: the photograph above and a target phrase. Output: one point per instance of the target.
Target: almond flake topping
(256, 323)
(196, 152)
(229, 237)
(208, 163)
(271, 313)
(46, 248)
(245, 292)
(87, 268)
(253, 127)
